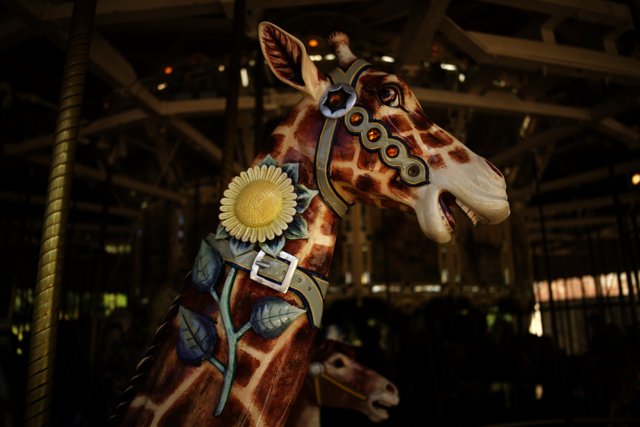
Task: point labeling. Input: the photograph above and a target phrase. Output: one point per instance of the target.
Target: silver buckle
(259, 263)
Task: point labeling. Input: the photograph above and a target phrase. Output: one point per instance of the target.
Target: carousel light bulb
(635, 179)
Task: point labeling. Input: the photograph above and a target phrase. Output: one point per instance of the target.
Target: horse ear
(289, 61)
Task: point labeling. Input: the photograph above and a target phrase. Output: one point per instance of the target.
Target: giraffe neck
(305, 411)
(269, 371)
(294, 141)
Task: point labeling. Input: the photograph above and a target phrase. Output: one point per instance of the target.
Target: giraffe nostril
(494, 168)
(390, 388)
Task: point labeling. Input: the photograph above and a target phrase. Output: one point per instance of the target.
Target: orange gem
(373, 134)
(356, 119)
(393, 151)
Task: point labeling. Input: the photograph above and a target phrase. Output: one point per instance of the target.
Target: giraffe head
(376, 144)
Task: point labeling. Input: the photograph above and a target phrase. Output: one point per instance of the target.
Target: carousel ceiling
(546, 89)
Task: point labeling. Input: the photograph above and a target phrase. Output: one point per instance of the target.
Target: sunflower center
(258, 203)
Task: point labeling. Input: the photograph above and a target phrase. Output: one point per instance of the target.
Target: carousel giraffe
(235, 347)
(337, 380)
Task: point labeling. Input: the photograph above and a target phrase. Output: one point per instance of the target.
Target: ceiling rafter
(417, 38)
(595, 11)
(577, 179)
(534, 55)
(118, 180)
(115, 69)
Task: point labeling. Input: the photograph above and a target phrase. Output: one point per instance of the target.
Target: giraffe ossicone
(253, 342)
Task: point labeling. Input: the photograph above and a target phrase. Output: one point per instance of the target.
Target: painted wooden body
(169, 392)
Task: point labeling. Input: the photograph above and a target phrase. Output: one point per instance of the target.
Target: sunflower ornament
(264, 206)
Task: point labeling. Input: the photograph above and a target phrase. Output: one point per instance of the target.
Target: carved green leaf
(197, 336)
(304, 196)
(238, 247)
(271, 316)
(293, 170)
(206, 268)
(274, 246)
(268, 161)
(297, 229)
(221, 233)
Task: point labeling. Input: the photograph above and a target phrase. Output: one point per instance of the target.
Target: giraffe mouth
(447, 201)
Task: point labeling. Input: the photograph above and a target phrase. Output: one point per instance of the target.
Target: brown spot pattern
(309, 127)
(319, 260)
(366, 184)
(430, 141)
(460, 155)
(344, 148)
(367, 161)
(443, 137)
(435, 161)
(341, 174)
(421, 121)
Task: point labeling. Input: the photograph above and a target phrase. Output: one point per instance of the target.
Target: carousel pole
(47, 295)
(233, 94)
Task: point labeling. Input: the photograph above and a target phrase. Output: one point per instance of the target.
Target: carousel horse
(337, 380)
(235, 347)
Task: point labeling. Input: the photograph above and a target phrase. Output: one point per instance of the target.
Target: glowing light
(635, 179)
(315, 58)
(448, 67)
(244, 77)
(535, 327)
(378, 288)
(539, 391)
(525, 126)
(168, 70)
(387, 58)
(313, 43)
(252, 63)
(221, 67)
(19, 351)
(329, 57)
(462, 78)
(161, 86)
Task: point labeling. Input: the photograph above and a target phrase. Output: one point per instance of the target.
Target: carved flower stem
(224, 303)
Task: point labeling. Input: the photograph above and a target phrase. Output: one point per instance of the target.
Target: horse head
(337, 380)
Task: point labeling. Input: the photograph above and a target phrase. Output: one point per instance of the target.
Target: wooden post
(233, 94)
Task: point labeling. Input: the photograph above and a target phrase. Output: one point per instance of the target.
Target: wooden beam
(118, 181)
(541, 139)
(76, 204)
(534, 55)
(574, 222)
(417, 37)
(499, 102)
(101, 125)
(583, 204)
(595, 11)
(123, 11)
(616, 130)
(578, 179)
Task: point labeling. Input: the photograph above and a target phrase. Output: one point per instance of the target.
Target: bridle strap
(349, 390)
(325, 142)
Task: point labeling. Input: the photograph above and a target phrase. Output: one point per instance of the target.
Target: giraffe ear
(289, 61)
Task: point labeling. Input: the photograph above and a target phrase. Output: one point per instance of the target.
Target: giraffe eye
(389, 96)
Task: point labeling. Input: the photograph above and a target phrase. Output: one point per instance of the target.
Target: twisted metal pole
(47, 296)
